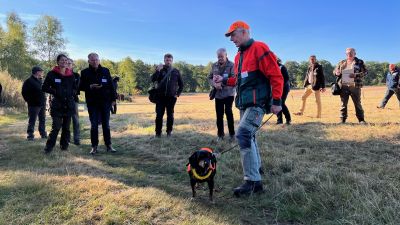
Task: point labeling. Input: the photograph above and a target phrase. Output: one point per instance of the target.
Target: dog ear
(193, 159)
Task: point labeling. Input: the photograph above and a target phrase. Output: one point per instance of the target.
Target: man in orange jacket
(259, 85)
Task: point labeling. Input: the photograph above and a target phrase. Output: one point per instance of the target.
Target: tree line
(21, 48)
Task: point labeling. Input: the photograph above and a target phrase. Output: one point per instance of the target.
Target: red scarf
(68, 72)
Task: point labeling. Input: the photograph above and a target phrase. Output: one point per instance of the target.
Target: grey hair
(351, 49)
(221, 50)
(92, 54)
(242, 29)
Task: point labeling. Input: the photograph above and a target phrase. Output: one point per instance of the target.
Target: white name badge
(244, 74)
(57, 80)
(225, 75)
(104, 80)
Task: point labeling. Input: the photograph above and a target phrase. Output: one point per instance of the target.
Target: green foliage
(127, 76)
(14, 55)
(47, 37)
(143, 72)
(11, 94)
(80, 64)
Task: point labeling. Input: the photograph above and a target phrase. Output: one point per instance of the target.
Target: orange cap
(236, 25)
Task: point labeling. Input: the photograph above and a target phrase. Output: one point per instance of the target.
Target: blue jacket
(392, 80)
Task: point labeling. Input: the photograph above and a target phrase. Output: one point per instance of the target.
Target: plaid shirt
(359, 70)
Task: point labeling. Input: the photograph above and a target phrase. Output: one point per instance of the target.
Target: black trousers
(355, 94)
(63, 122)
(222, 106)
(285, 110)
(33, 113)
(165, 103)
(100, 114)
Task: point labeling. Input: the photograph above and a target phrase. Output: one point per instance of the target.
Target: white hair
(221, 50)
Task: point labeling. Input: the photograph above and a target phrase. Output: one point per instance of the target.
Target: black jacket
(32, 92)
(319, 78)
(172, 86)
(63, 90)
(285, 74)
(77, 81)
(106, 94)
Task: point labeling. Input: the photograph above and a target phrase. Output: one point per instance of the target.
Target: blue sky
(193, 30)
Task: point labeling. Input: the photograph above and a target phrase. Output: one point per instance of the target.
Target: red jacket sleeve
(267, 63)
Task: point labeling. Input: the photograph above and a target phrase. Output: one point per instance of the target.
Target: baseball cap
(36, 69)
(236, 25)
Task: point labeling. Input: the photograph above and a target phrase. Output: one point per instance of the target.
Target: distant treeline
(21, 48)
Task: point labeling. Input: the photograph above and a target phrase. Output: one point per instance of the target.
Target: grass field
(317, 170)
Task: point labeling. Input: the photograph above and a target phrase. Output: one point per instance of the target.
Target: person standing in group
(100, 96)
(286, 89)
(60, 83)
(314, 81)
(75, 116)
(259, 89)
(36, 99)
(224, 95)
(392, 84)
(170, 87)
(351, 72)
(115, 83)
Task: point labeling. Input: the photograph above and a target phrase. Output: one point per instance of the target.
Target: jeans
(33, 113)
(355, 94)
(307, 92)
(75, 124)
(221, 106)
(388, 95)
(250, 120)
(100, 114)
(165, 103)
(285, 110)
(58, 123)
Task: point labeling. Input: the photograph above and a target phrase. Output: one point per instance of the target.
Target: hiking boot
(343, 120)
(110, 149)
(47, 150)
(94, 150)
(220, 138)
(44, 136)
(30, 138)
(169, 133)
(157, 136)
(232, 138)
(298, 113)
(248, 187)
(380, 107)
(288, 122)
(64, 147)
(362, 122)
(77, 142)
(279, 122)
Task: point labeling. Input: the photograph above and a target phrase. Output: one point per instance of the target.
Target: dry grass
(11, 95)
(318, 171)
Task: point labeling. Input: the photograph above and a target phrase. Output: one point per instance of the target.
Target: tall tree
(47, 37)
(127, 77)
(112, 66)
(142, 72)
(14, 55)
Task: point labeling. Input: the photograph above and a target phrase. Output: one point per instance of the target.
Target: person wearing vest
(259, 86)
(314, 81)
(286, 89)
(100, 96)
(36, 99)
(392, 83)
(75, 116)
(170, 86)
(60, 83)
(224, 95)
(351, 72)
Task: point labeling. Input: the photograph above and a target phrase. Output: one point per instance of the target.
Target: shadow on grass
(309, 178)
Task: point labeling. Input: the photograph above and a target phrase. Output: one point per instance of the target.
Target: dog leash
(254, 133)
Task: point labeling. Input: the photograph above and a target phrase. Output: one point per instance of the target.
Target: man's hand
(217, 78)
(275, 109)
(322, 90)
(159, 67)
(113, 103)
(352, 75)
(95, 86)
(337, 72)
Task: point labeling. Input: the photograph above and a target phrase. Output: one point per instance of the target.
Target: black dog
(202, 167)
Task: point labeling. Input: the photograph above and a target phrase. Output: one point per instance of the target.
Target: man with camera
(224, 95)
